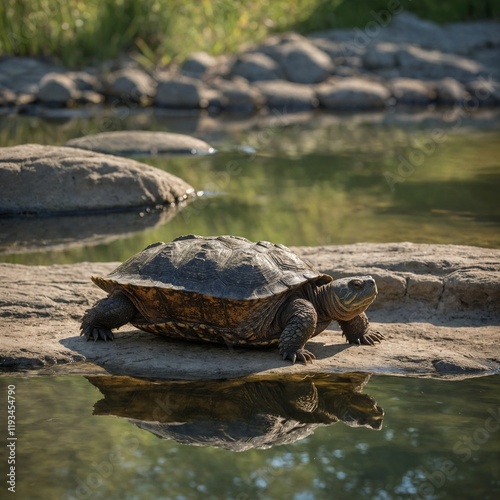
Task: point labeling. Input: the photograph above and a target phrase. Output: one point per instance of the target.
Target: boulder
(256, 67)
(142, 143)
(353, 93)
(237, 94)
(415, 62)
(409, 28)
(23, 74)
(381, 56)
(484, 92)
(178, 91)
(37, 179)
(57, 89)
(303, 62)
(131, 84)
(411, 91)
(197, 64)
(288, 95)
(449, 91)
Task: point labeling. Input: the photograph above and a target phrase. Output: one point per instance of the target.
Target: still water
(318, 437)
(313, 181)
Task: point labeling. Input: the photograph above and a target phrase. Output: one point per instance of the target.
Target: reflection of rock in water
(28, 234)
(240, 414)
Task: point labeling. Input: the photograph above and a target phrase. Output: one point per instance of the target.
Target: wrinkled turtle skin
(228, 290)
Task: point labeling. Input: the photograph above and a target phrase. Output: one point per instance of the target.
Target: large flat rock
(438, 307)
(142, 143)
(37, 179)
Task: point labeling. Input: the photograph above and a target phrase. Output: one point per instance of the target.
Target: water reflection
(28, 234)
(241, 414)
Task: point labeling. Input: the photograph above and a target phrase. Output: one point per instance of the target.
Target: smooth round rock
(130, 83)
(178, 91)
(57, 89)
(289, 95)
(353, 93)
(36, 179)
(302, 62)
(142, 143)
(256, 67)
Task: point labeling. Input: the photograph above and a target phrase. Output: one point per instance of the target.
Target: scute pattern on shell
(228, 267)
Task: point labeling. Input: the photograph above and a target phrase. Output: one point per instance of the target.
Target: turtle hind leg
(112, 312)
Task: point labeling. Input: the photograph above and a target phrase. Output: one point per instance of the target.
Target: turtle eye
(357, 284)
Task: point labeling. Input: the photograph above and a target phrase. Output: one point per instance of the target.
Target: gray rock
(484, 92)
(302, 62)
(467, 38)
(288, 95)
(49, 179)
(177, 91)
(449, 90)
(131, 84)
(197, 64)
(85, 81)
(353, 93)
(238, 95)
(57, 89)
(336, 50)
(408, 27)
(411, 91)
(415, 62)
(256, 67)
(23, 74)
(274, 45)
(381, 56)
(142, 143)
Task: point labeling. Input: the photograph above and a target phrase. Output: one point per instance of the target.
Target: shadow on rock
(241, 414)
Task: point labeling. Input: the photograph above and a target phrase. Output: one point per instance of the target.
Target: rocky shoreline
(437, 306)
(407, 61)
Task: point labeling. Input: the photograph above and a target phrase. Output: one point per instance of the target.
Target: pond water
(313, 180)
(438, 439)
(316, 181)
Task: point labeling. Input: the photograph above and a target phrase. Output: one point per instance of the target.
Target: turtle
(229, 290)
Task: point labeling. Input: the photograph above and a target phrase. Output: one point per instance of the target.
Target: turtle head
(349, 297)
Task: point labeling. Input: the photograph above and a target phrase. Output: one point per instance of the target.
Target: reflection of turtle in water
(229, 290)
(257, 412)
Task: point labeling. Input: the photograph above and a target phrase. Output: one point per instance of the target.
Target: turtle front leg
(106, 314)
(357, 331)
(300, 324)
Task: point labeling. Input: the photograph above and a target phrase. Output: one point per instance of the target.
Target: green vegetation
(79, 32)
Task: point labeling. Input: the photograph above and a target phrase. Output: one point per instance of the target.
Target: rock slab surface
(142, 143)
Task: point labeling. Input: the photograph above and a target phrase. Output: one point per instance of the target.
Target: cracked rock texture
(438, 307)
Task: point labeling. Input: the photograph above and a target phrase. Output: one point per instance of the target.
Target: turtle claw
(368, 338)
(302, 355)
(96, 333)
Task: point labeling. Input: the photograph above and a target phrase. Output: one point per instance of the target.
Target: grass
(81, 32)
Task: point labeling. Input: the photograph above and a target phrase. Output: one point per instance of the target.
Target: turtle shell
(222, 289)
(226, 267)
